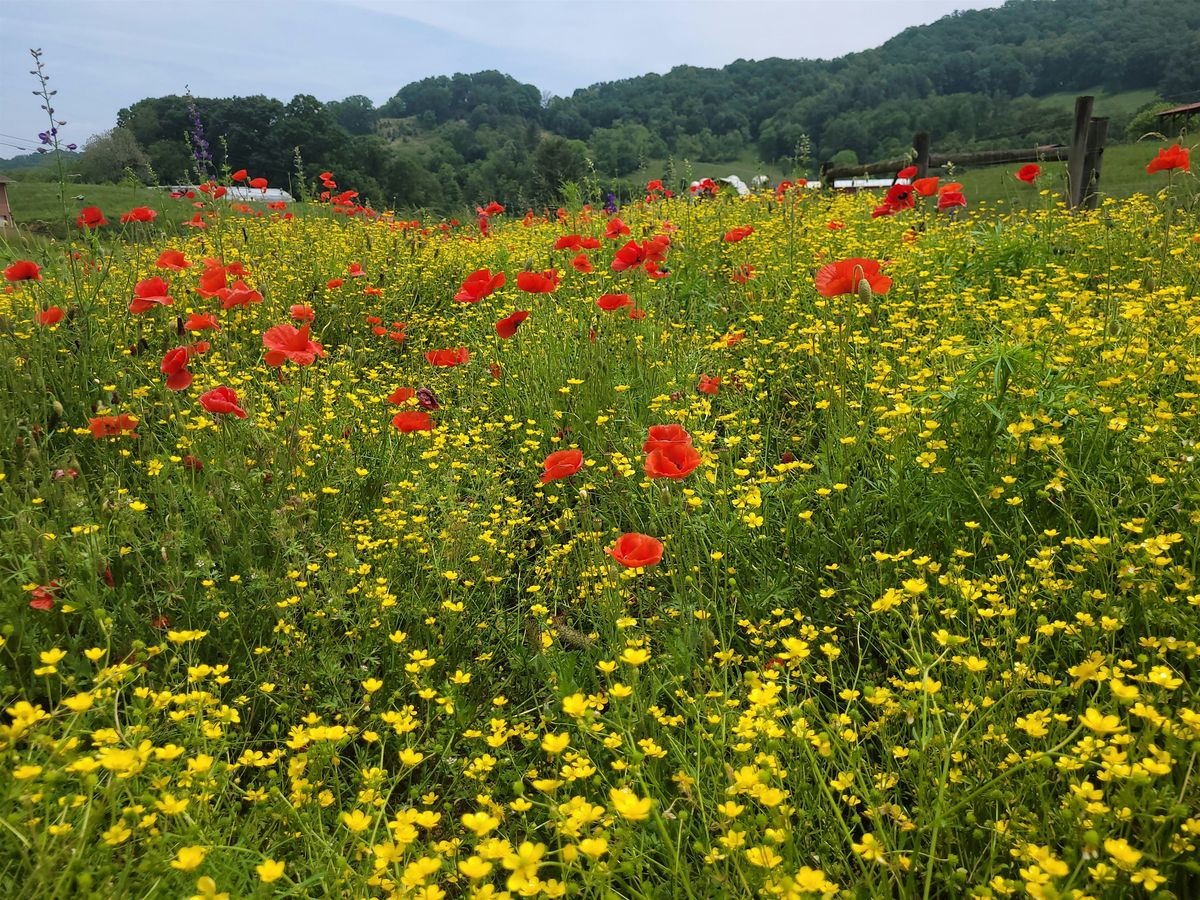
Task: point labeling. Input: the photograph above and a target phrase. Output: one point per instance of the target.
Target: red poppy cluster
(448, 358)
(636, 551)
(138, 214)
(479, 284)
(669, 453)
(1029, 173)
(149, 293)
(538, 282)
(561, 464)
(844, 277)
(174, 365)
(222, 401)
(113, 426)
(23, 270)
(286, 343)
(648, 255)
(1169, 159)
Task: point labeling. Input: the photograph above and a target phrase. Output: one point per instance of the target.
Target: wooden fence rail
(1083, 157)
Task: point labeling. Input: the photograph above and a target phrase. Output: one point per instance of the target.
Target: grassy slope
(1123, 173)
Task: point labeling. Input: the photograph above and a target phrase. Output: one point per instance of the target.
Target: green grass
(1121, 104)
(37, 208)
(744, 167)
(1122, 174)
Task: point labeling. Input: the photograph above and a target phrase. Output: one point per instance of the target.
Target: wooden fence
(1083, 157)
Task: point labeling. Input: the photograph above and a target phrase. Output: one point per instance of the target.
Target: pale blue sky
(106, 54)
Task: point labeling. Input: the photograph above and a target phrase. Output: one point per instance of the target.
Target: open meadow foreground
(797, 545)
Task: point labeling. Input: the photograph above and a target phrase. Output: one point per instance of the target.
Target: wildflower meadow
(797, 545)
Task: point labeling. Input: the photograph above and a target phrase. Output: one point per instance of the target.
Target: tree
(107, 156)
(557, 161)
(357, 114)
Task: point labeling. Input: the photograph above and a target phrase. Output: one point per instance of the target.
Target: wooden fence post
(1097, 134)
(921, 145)
(1076, 174)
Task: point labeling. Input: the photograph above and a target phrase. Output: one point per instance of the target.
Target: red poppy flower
(1029, 173)
(397, 337)
(615, 228)
(494, 371)
(222, 401)
(835, 225)
(675, 461)
(1174, 157)
(111, 426)
(478, 285)
(138, 214)
(561, 464)
(650, 253)
(637, 314)
(202, 322)
(42, 597)
(843, 277)
(239, 175)
(589, 243)
(950, 199)
(50, 316)
(900, 196)
(91, 217)
(259, 184)
(23, 270)
(412, 420)
(212, 280)
(355, 270)
(609, 302)
(926, 187)
(881, 211)
(582, 264)
(334, 283)
(709, 385)
(150, 292)
(950, 186)
(568, 242)
(195, 222)
(906, 172)
(635, 551)
(239, 294)
(735, 338)
(401, 395)
(628, 257)
(508, 326)
(492, 209)
(174, 260)
(660, 436)
(448, 358)
(538, 282)
(742, 274)
(283, 342)
(733, 235)
(174, 366)
(302, 313)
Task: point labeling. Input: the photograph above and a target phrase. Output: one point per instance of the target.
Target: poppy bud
(865, 295)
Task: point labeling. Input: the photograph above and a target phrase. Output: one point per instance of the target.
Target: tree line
(973, 79)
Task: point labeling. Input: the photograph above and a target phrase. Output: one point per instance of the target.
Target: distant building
(1176, 118)
(6, 219)
(241, 194)
(862, 184)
